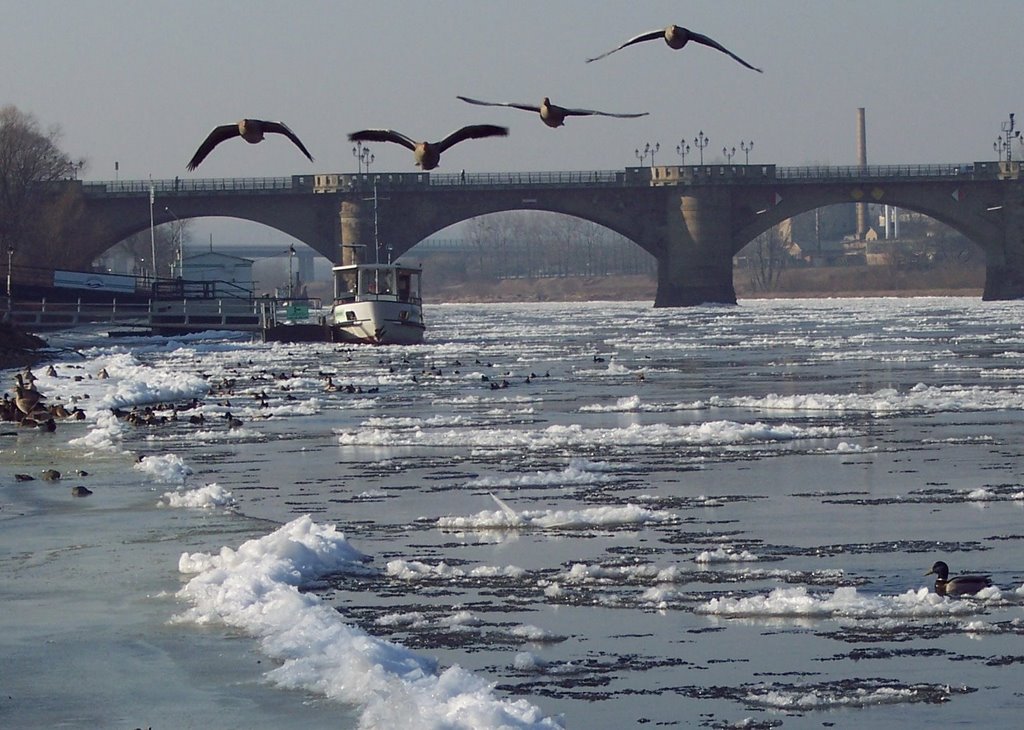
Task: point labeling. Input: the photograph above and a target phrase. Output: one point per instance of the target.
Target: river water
(548, 515)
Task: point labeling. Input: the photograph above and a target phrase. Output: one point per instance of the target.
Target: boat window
(377, 281)
(345, 285)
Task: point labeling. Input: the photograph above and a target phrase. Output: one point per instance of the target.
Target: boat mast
(376, 240)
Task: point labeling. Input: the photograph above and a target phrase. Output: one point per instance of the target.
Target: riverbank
(18, 348)
(844, 281)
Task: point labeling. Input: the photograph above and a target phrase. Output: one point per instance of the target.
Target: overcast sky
(142, 83)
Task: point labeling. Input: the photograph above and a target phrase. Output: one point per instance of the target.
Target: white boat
(378, 304)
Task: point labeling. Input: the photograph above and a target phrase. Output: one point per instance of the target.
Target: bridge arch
(422, 217)
(311, 220)
(531, 244)
(973, 220)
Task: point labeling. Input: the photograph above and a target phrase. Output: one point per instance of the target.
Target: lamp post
(291, 255)
(364, 158)
(700, 142)
(648, 150)
(728, 154)
(1004, 142)
(152, 233)
(746, 147)
(682, 149)
(10, 259)
(178, 237)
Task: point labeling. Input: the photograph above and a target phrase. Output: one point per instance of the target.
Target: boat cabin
(389, 282)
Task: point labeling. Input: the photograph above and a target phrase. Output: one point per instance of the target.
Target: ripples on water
(619, 515)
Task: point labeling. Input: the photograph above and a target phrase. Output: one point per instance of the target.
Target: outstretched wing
(473, 131)
(524, 107)
(591, 112)
(382, 135)
(704, 40)
(218, 135)
(649, 36)
(281, 128)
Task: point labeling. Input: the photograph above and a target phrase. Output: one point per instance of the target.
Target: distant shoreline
(853, 282)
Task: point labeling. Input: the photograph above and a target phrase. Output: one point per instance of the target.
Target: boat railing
(274, 312)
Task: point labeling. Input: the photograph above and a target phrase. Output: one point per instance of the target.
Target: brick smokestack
(862, 160)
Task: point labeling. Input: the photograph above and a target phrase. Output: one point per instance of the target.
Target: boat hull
(378, 323)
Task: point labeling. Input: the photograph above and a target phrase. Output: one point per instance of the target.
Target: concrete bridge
(692, 219)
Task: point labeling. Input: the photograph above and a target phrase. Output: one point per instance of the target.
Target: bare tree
(165, 239)
(34, 202)
(767, 258)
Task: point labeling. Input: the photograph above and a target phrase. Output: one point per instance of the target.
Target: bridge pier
(1004, 269)
(695, 266)
(357, 239)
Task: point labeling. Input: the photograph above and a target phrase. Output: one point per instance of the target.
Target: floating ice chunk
(535, 634)
(167, 468)
(256, 589)
(527, 662)
(579, 471)
(982, 495)
(816, 699)
(208, 497)
(507, 518)
(721, 555)
(104, 434)
(843, 602)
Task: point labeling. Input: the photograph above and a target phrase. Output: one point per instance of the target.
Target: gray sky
(142, 83)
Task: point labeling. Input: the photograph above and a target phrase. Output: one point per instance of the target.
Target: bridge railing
(627, 177)
(531, 179)
(177, 186)
(831, 172)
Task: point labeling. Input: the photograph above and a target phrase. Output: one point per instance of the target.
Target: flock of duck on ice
(29, 410)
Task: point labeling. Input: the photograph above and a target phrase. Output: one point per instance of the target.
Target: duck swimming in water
(961, 585)
(676, 37)
(428, 154)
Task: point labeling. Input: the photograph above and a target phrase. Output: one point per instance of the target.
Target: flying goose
(551, 114)
(428, 154)
(676, 37)
(251, 130)
(962, 585)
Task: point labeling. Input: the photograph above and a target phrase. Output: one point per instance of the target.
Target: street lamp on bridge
(648, 150)
(728, 154)
(746, 147)
(700, 142)
(364, 158)
(682, 149)
(1004, 142)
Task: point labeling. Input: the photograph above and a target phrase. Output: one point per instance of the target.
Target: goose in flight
(428, 154)
(676, 37)
(551, 114)
(251, 130)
